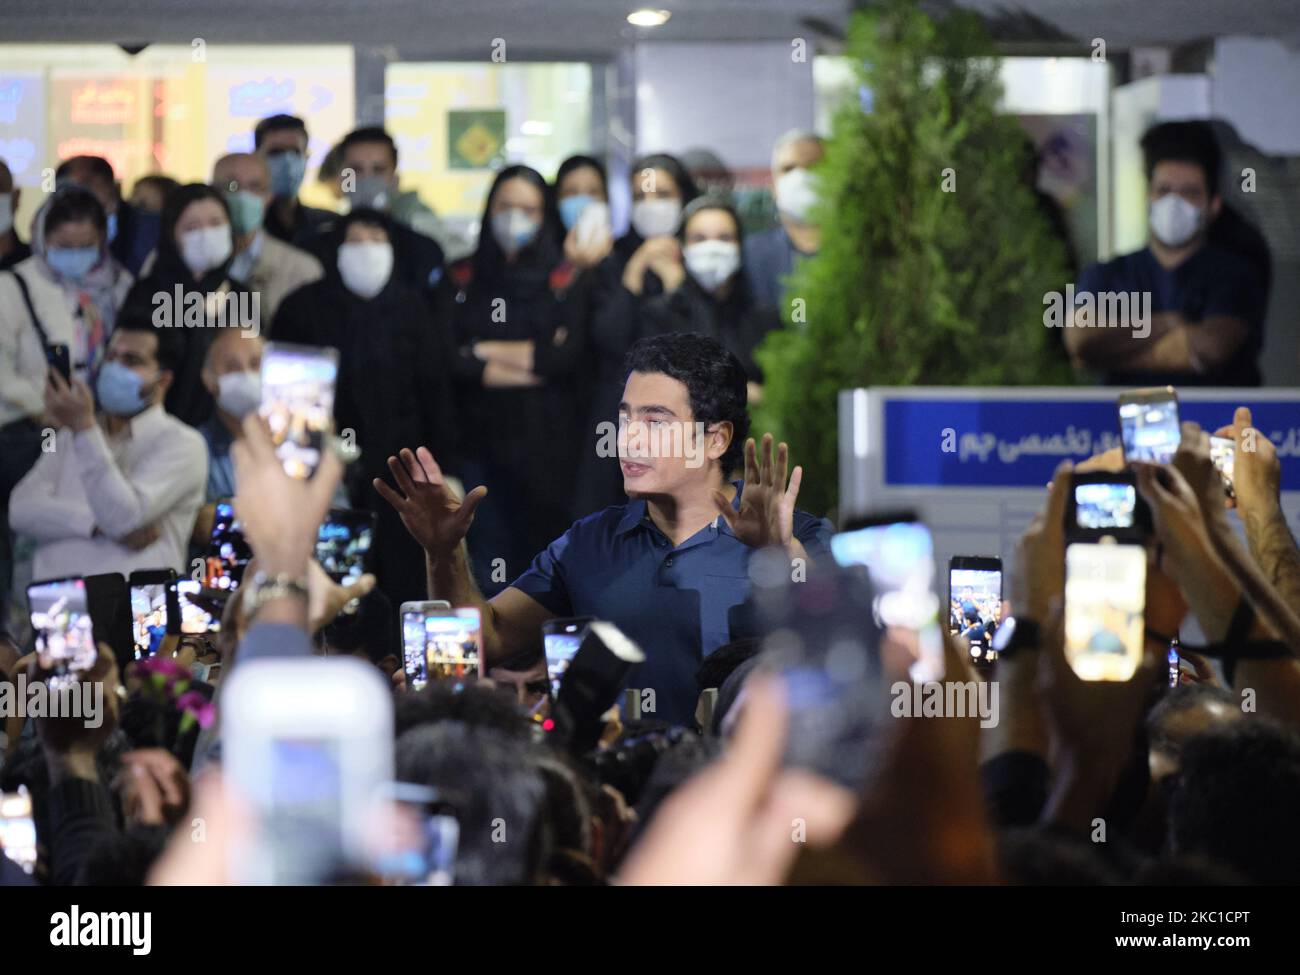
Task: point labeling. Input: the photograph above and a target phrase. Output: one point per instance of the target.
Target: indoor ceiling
(466, 28)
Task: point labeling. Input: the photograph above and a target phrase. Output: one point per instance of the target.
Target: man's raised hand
(428, 508)
(766, 515)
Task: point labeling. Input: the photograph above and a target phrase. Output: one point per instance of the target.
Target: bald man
(265, 263)
(771, 255)
(12, 250)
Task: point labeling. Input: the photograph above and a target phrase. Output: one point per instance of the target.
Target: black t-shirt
(1210, 282)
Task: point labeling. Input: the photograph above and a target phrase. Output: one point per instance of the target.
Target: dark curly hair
(714, 378)
(1190, 141)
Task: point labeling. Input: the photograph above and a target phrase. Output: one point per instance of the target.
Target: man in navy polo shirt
(669, 568)
(1206, 322)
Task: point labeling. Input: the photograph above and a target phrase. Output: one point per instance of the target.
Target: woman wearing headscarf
(70, 252)
(706, 290)
(581, 195)
(661, 188)
(517, 418)
(189, 287)
(62, 297)
(394, 381)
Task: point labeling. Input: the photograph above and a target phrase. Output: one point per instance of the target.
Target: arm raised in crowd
(439, 521)
(80, 807)
(1257, 480)
(1216, 574)
(281, 516)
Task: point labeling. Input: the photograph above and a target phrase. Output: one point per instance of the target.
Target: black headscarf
(540, 257)
(169, 265)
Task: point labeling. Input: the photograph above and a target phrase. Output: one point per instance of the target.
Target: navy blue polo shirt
(679, 604)
(1210, 282)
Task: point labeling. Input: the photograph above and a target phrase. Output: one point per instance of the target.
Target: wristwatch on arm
(264, 588)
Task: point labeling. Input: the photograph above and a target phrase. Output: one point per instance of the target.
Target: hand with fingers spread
(281, 515)
(428, 508)
(766, 514)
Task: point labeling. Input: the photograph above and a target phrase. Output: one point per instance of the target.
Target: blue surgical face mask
(571, 208)
(72, 263)
(287, 170)
(246, 211)
(118, 390)
(372, 192)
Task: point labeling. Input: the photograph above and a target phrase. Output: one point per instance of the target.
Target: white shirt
(23, 368)
(156, 472)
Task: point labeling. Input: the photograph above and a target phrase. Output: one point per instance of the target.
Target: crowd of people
(475, 390)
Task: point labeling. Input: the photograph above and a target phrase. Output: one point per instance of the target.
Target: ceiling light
(648, 18)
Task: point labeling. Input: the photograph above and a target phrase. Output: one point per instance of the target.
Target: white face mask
(711, 262)
(514, 229)
(1173, 220)
(206, 247)
(656, 218)
(239, 393)
(796, 193)
(6, 212)
(366, 266)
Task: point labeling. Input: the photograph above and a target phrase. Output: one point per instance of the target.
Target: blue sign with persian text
(1018, 442)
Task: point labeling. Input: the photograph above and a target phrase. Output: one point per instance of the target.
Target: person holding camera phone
(122, 485)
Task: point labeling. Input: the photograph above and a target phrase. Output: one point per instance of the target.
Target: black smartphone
(594, 679)
(155, 609)
(1148, 424)
(561, 640)
(109, 601)
(824, 638)
(975, 603)
(60, 361)
(59, 611)
(1103, 504)
(343, 543)
(228, 551)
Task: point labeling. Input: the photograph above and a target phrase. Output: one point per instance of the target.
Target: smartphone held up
(298, 403)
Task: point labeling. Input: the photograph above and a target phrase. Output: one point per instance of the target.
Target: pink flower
(194, 703)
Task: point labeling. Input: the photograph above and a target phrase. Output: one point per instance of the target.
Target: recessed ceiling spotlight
(646, 17)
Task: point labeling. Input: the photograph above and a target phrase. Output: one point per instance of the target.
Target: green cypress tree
(935, 257)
